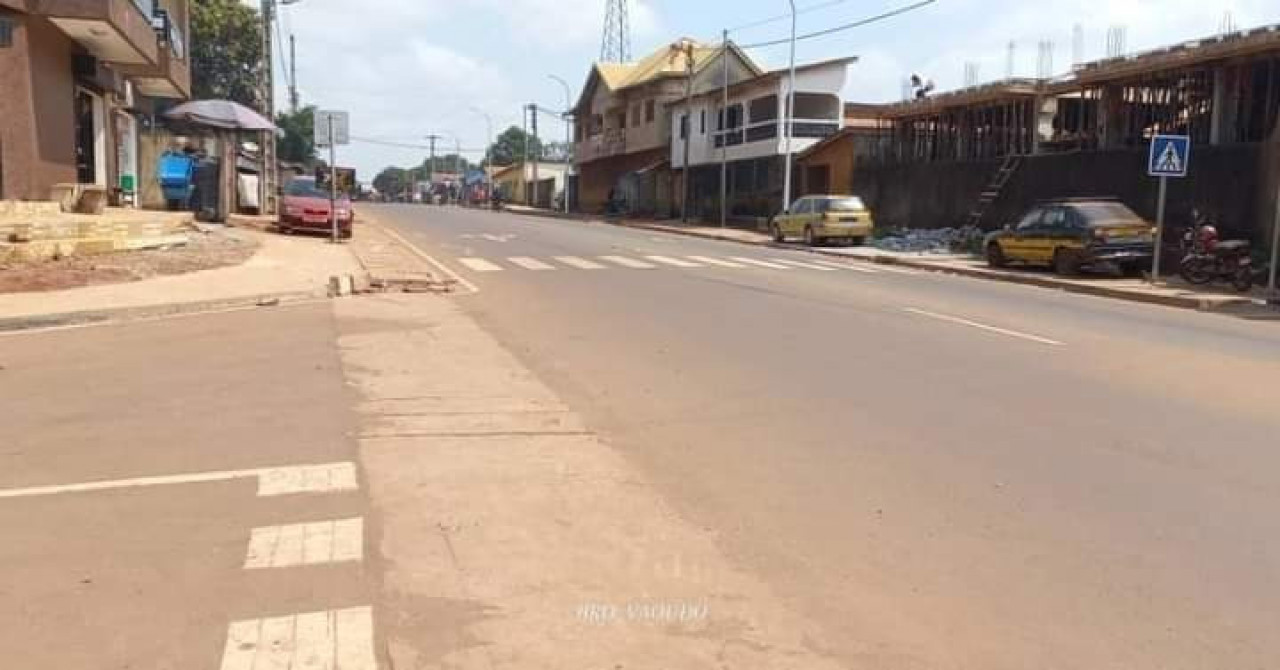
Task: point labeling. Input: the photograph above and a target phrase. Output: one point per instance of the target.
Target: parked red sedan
(306, 207)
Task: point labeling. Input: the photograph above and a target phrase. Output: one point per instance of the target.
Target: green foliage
(393, 181)
(298, 144)
(226, 51)
(508, 148)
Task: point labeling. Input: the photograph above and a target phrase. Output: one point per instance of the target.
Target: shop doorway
(91, 139)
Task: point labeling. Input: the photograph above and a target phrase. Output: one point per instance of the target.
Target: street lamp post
(789, 117)
(484, 160)
(568, 136)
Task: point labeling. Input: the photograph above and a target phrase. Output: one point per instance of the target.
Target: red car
(306, 207)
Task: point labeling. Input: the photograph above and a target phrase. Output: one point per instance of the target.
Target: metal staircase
(992, 193)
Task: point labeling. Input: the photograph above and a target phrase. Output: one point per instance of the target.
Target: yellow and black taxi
(821, 218)
(1069, 235)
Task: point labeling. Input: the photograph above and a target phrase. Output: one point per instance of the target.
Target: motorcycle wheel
(1195, 270)
(1242, 280)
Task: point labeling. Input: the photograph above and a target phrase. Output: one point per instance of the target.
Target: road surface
(941, 472)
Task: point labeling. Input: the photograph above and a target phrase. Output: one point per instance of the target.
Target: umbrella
(220, 114)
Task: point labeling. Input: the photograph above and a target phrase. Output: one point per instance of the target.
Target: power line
(408, 145)
(847, 26)
(784, 17)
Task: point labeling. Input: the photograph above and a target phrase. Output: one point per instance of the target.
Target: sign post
(1170, 156)
(332, 128)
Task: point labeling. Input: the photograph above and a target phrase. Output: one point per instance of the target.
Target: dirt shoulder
(203, 251)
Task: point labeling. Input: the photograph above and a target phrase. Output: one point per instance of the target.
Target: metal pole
(568, 138)
(524, 160)
(789, 117)
(686, 127)
(1275, 243)
(333, 180)
(537, 151)
(724, 144)
(1159, 245)
(293, 74)
(268, 184)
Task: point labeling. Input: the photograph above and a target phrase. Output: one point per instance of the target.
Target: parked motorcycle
(1206, 259)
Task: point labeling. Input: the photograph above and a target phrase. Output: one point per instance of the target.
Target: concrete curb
(150, 312)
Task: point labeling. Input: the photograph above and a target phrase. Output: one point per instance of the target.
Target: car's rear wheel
(995, 256)
(284, 230)
(777, 233)
(1066, 262)
(809, 238)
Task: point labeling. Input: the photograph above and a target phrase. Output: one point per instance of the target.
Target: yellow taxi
(821, 218)
(1069, 235)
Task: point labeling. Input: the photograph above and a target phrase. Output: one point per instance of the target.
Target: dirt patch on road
(203, 251)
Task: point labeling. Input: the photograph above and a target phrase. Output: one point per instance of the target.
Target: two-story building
(78, 78)
(747, 135)
(623, 122)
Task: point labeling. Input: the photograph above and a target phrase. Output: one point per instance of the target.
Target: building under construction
(983, 153)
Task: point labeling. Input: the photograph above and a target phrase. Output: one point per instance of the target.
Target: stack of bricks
(41, 230)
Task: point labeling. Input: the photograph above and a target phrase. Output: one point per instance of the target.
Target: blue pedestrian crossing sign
(1170, 156)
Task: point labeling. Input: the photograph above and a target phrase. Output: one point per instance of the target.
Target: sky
(405, 69)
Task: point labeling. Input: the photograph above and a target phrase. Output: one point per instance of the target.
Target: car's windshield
(844, 205)
(304, 188)
(1107, 214)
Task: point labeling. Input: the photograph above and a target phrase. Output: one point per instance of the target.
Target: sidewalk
(283, 268)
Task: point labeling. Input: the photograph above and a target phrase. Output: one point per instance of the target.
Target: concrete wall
(1224, 182)
(37, 145)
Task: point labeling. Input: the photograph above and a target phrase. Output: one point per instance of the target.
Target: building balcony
(611, 143)
(170, 76)
(113, 31)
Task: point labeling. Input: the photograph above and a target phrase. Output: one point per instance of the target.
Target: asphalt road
(941, 472)
(170, 421)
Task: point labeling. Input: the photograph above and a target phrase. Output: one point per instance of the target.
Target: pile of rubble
(966, 239)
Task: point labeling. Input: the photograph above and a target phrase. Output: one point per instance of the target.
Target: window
(702, 122)
(1054, 217)
(817, 106)
(845, 205)
(1031, 220)
(764, 109)
(802, 206)
(649, 109)
(6, 32)
(684, 126)
(635, 115)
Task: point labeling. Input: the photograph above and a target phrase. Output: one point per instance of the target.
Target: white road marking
(498, 238)
(330, 640)
(580, 263)
(480, 265)
(444, 269)
(760, 263)
(847, 266)
(317, 543)
(885, 267)
(628, 262)
(983, 326)
(716, 261)
(801, 264)
(676, 262)
(530, 263)
(271, 481)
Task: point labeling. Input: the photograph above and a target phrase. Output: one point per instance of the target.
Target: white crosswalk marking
(338, 541)
(760, 263)
(580, 263)
(530, 263)
(328, 478)
(847, 266)
(480, 265)
(628, 262)
(331, 640)
(716, 261)
(800, 264)
(900, 271)
(676, 262)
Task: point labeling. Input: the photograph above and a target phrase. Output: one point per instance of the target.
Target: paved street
(941, 472)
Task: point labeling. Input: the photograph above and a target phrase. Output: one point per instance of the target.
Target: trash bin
(174, 172)
(206, 201)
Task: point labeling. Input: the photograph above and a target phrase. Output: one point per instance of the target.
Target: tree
(508, 148)
(446, 163)
(299, 142)
(226, 51)
(393, 181)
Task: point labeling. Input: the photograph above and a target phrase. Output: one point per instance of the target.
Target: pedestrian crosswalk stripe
(340, 541)
(760, 263)
(480, 265)
(799, 264)
(896, 270)
(326, 478)
(332, 640)
(676, 262)
(580, 263)
(847, 266)
(628, 262)
(530, 263)
(716, 261)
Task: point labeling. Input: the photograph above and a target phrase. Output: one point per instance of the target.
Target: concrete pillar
(1046, 110)
(1222, 127)
(1111, 117)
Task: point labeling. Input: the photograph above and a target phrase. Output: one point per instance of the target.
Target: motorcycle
(1206, 259)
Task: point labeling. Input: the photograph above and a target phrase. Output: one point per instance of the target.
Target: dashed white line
(847, 266)
(480, 265)
(340, 541)
(982, 326)
(801, 264)
(271, 481)
(674, 262)
(716, 261)
(330, 640)
(760, 263)
(628, 262)
(580, 263)
(530, 263)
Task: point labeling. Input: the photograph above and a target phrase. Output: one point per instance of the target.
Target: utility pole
(537, 151)
(267, 187)
(568, 138)
(724, 139)
(789, 119)
(293, 74)
(524, 159)
(686, 127)
(485, 161)
(431, 168)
